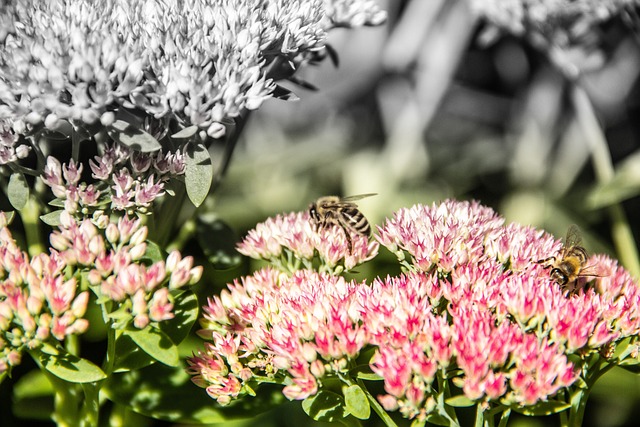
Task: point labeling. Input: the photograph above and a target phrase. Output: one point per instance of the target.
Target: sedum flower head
(198, 62)
(122, 180)
(290, 241)
(474, 305)
(38, 302)
(112, 254)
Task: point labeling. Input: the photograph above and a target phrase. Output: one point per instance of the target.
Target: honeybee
(571, 262)
(337, 211)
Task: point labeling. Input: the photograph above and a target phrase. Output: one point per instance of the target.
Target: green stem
(603, 166)
(578, 406)
(386, 419)
(91, 403)
(30, 215)
(446, 410)
(166, 217)
(480, 416)
(65, 398)
(504, 418)
(185, 233)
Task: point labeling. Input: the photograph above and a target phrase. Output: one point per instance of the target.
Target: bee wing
(574, 237)
(591, 271)
(357, 197)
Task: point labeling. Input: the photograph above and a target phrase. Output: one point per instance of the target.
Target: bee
(337, 211)
(571, 263)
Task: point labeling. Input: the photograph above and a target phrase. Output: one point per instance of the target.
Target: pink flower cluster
(290, 242)
(126, 180)
(475, 307)
(112, 253)
(37, 301)
(303, 327)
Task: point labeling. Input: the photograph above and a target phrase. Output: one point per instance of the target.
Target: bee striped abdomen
(356, 221)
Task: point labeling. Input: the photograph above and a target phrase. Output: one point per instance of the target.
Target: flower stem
(30, 215)
(603, 167)
(578, 405)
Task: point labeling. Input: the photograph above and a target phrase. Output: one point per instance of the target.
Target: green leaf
(33, 397)
(460, 401)
(154, 252)
(542, 408)
(57, 202)
(218, 242)
(635, 369)
(437, 419)
(156, 344)
(67, 366)
(624, 184)
(52, 218)
(133, 137)
(165, 393)
(198, 173)
(324, 406)
(369, 376)
(185, 133)
(130, 355)
(185, 310)
(356, 402)
(18, 190)
(33, 383)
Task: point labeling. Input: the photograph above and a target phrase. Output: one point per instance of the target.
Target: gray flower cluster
(548, 15)
(568, 31)
(198, 62)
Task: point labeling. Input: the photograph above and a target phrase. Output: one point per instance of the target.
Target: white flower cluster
(196, 61)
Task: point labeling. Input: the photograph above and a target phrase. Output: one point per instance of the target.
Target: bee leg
(348, 236)
(547, 262)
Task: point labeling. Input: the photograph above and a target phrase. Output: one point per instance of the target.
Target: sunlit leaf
(460, 401)
(130, 355)
(156, 344)
(132, 137)
(67, 366)
(543, 408)
(185, 133)
(356, 402)
(198, 173)
(324, 406)
(52, 218)
(18, 190)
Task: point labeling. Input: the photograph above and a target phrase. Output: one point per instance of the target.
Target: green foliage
(218, 242)
(166, 393)
(133, 137)
(325, 405)
(199, 173)
(67, 366)
(356, 402)
(18, 190)
(52, 218)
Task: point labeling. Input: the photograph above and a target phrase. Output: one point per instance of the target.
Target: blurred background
(436, 105)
